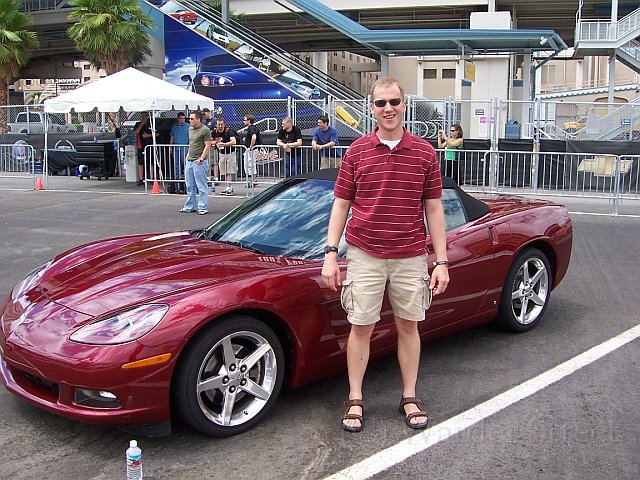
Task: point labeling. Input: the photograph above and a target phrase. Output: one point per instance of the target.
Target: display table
(60, 158)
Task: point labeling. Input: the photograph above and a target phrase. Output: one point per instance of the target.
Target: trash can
(512, 130)
(131, 163)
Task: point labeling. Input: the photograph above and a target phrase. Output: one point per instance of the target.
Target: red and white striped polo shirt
(387, 189)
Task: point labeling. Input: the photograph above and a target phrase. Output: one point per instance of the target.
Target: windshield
(289, 219)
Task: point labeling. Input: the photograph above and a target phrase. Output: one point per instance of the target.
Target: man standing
(144, 139)
(207, 121)
(197, 165)
(391, 179)
(325, 137)
(290, 139)
(251, 139)
(179, 136)
(224, 139)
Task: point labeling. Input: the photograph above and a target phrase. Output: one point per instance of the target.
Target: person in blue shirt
(325, 137)
(180, 138)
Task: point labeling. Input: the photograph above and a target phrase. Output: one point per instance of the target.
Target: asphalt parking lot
(579, 423)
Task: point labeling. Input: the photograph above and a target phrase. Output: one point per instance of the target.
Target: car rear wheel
(526, 291)
(229, 376)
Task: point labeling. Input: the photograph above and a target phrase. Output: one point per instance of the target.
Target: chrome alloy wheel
(530, 291)
(236, 378)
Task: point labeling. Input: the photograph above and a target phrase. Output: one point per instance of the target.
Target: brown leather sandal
(352, 416)
(408, 416)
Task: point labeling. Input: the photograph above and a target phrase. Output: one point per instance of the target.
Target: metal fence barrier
(589, 175)
(18, 160)
(270, 166)
(592, 175)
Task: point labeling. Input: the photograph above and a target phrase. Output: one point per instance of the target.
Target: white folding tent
(129, 89)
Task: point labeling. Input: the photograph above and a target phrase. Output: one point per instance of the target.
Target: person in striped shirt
(390, 180)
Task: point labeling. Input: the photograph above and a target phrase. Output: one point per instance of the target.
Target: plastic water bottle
(213, 188)
(134, 461)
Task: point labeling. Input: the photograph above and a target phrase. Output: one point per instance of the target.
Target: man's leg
(287, 165)
(297, 160)
(357, 360)
(200, 173)
(140, 158)
(409, 360)
(190, 182)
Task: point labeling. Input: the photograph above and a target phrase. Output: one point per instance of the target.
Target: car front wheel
(229, 376)
(526, 291)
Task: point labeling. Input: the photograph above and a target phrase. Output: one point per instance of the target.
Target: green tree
(16, 46)
(111, 33)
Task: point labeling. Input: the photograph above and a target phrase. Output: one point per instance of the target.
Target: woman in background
(451, 144)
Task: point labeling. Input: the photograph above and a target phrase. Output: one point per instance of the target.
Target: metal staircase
(621, 124)
(306, 81)
(629, 54)
(602, 37)
(606, 38)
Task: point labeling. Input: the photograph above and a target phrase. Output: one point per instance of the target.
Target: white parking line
(399, 452)
(629, 215)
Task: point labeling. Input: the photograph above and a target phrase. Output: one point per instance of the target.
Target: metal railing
(587, 175)
(271, 166)
(603, 30)
(19, 160)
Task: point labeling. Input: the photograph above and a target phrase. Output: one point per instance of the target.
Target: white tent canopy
(131, 90)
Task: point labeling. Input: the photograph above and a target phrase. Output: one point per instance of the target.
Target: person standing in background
(224, 139)
(290, 139)
(197, 165)
(144, 138)
(451, 145)
(251, 139)
(209, 122)
(179, 137)
(325, 137)
(390, 181)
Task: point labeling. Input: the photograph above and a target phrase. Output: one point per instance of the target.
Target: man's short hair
(180, 114)
(386, 82)
(323, 119)
(205, 110)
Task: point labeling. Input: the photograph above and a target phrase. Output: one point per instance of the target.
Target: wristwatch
(330, 248)
(441, 262)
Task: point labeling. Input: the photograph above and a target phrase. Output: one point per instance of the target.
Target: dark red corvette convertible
(209, 325)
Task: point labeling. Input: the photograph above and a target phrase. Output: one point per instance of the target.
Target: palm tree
(16, 45)
(217, 6)
(111, 33)
(38, 97)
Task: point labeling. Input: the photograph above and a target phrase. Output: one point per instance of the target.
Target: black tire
(526, 291)
(232, 400)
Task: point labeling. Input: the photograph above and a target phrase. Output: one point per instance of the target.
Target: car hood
(114, 273)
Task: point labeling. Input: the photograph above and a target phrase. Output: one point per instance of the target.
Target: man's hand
(439, 279)
(331, 272)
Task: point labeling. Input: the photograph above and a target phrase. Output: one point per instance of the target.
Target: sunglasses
(394, 102)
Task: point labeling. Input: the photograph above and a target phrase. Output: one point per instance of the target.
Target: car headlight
(215, 81)
(122, 327)
(30, 280)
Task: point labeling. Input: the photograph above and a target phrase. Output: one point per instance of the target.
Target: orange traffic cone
(39, 184)
(156, 187)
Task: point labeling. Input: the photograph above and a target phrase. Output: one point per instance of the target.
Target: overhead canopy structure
(434, 41)
(131, 90)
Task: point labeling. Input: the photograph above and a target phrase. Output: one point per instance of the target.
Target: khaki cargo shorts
(406, 281)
